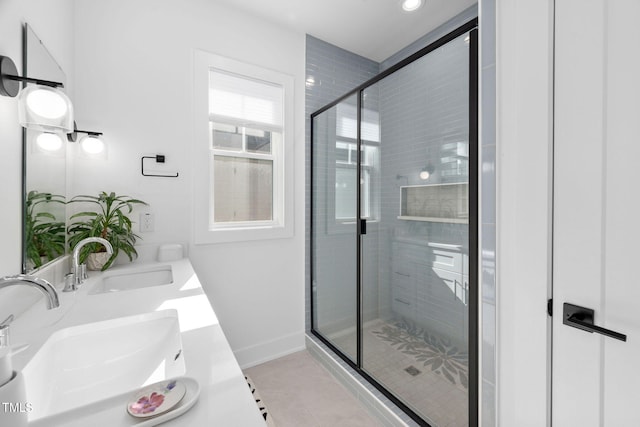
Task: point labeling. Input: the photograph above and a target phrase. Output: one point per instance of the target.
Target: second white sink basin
(137, 278)
(92, 362)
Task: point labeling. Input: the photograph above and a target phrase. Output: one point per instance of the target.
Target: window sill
(243, 234)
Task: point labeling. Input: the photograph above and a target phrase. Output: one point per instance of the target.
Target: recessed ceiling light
(411, 5)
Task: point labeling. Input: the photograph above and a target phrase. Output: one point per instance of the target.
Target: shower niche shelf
(435, 203)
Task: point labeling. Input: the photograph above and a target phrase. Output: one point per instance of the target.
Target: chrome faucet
(22, 279)
(78, 271)
(4, 331)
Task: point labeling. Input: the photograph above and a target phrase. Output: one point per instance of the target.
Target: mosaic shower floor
(427, 373)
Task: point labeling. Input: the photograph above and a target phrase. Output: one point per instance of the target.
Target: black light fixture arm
(30, 80)
(88, 132)
(73, 136)
(10, 78)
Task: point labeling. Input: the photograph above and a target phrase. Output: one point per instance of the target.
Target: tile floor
(426, 372)
(438, 392)
(299, 392)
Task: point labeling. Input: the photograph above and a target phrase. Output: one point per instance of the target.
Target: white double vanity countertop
(224, 400)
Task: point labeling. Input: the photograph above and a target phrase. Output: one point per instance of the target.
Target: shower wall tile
(487, 106)
(488, 282)
(488, 185)
(424, 110)
(488, 33)
(331, 72)
(488, 417)
(488, 350)
(334, 71)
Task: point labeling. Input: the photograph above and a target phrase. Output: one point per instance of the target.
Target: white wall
(53, 23)
(524, 136)
(134, 83)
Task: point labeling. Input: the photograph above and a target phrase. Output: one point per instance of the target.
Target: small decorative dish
(156, 399)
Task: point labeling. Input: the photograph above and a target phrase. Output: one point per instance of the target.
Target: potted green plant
(44, 234)
(109, 222)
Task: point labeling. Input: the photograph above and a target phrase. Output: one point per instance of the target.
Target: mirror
(44, 171)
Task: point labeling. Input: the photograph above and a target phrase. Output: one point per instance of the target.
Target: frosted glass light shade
(49, 141)
(45, 108)
(92, 144)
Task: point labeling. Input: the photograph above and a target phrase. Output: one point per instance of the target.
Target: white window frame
(281, 225)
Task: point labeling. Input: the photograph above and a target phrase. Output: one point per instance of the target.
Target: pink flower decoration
(145, 404)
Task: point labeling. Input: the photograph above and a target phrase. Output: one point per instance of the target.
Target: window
(242, 193)
(246, 122)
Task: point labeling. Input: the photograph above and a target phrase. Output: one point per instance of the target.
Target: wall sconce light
(41, 105)
(426, 172)
(48, 141)
(91, 143)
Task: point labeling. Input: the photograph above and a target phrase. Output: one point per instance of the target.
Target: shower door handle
(582, 318)
(363, 226)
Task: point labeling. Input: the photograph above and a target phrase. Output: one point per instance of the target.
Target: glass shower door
(414, 195)
(334, 229)
(394, 231)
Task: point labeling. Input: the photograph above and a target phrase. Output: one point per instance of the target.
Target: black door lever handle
(582, 318)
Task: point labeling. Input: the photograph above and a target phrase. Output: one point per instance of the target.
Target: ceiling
(375, 29)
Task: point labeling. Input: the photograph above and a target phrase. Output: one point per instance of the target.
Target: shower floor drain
(412, 370)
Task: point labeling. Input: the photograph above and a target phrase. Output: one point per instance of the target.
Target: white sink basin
(143, 277)
(95, 361)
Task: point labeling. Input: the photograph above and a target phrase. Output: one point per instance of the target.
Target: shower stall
(394, 230)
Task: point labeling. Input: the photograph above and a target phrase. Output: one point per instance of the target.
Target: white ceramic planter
(97, 260)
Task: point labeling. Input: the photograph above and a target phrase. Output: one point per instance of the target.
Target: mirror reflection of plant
(110, 222)
(44, 234)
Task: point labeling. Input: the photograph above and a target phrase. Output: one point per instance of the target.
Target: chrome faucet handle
(79, 275)
(4, 336)
(69, 283)
(7, 321)
(4, 331)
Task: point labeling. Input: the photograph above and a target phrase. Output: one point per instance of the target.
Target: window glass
(242, 189)
(258, 141)
(226, 137)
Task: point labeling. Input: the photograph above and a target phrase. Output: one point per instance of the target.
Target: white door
(596, 249)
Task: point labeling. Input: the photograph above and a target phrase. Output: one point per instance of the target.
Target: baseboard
(269, 350)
